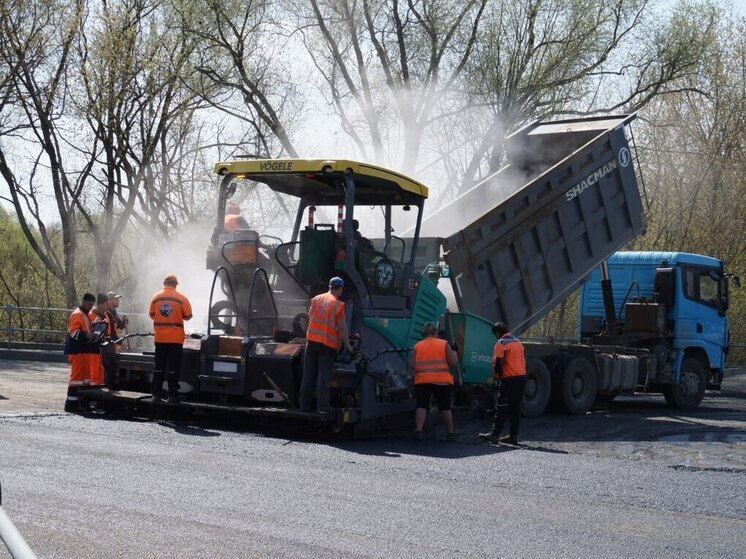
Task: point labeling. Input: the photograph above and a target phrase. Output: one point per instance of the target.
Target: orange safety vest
(113, 331)
(511, 351)
(96, 365)
(431, 363)
(97, 319)
(233, 222)
(79, 356)
(78, 326)
(323, 319)
(169, 309)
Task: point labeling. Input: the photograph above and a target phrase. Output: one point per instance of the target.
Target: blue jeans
(317, 374)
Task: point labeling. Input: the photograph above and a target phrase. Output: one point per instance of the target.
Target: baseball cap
(336, 281)
(112, 295)
(170, 278)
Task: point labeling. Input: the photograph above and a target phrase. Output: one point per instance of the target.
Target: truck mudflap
(579, 202)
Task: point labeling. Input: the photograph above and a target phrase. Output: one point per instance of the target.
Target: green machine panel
(473, 335)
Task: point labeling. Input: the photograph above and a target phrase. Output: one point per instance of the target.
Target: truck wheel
(578, 386)
(688, 393)
(538, 388)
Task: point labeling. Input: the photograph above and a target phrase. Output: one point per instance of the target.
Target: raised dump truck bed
(579, 203)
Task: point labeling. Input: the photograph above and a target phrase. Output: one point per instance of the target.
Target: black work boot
(491, 437)
(173, 387)
(156, 388)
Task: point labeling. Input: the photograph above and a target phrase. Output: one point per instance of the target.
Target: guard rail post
(9, 328)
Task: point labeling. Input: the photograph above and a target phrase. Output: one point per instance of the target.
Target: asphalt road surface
(631, 479)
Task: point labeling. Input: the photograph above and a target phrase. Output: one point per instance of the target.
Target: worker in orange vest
(233, 218)
(101, 327)
(168, 309)
(431, 364)
(80, 343)
(326, 334)
(509, 372)
(110, 351)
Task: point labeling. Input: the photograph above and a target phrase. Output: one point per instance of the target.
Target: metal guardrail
(45, 325)
(20, 325)
(11, 537)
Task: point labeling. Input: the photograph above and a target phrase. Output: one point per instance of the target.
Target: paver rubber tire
(300, 324)
(578, 386)
(690, 390)
(538, 388)
(221, 311)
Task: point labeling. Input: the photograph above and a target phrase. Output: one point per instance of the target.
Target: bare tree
(36, 50)
(388, 67)
(140, 115)
(418, 84)
(243, 68)
(537, 59)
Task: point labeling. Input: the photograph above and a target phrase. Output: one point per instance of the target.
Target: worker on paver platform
(432, 376)
(509, 372)
(110, 352)
(233, 218)
(80, 342)
(168, 309)
(326, 333)
(119, 322)
(101, 327)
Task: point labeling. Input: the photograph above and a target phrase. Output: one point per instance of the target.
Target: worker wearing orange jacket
(101, 327)
(509, 370)
(431, 363)
(110, 350)
(326, 334)
(80, 343)
(168, 309)
(233, 218)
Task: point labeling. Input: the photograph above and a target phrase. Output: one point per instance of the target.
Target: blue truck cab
(672, 303)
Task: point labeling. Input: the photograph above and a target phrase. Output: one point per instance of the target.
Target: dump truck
(511, 249)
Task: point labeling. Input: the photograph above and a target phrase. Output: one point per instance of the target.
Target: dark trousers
(110, 361)
(167, 360)
(317, 374)
(508, 405)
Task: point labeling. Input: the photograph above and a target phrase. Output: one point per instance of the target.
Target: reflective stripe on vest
(76, 341)
(431, 363)
(511, 351)
(169, 309)
(323, 316)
